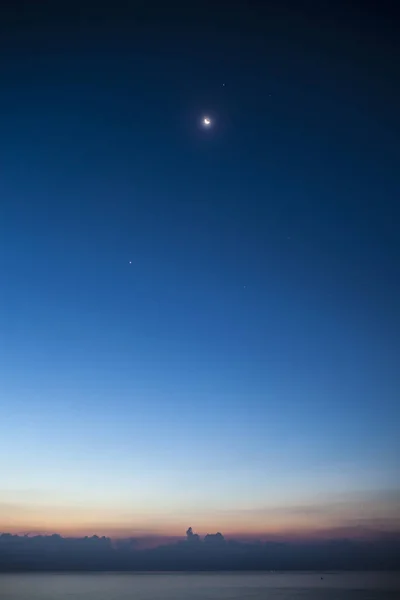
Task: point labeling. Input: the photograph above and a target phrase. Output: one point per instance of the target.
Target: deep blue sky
(197, 322)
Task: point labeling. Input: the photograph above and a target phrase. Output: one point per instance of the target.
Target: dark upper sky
(214, 310)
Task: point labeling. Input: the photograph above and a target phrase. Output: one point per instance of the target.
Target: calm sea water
(201, 586)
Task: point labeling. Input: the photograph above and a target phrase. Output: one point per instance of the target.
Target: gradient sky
(199, 327)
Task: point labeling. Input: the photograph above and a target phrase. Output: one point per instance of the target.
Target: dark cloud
(192, 537)
(19, 553)
(215, 539)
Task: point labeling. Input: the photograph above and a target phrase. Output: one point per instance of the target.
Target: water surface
(201, 586)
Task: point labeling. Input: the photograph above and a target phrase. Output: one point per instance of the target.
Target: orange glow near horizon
(272, 531)
(331, 518)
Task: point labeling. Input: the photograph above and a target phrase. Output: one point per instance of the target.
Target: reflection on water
(201, 586)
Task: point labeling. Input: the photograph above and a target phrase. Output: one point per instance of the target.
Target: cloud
(99, 553)
(370, 511)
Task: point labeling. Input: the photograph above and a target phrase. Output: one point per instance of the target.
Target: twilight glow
(197, 327)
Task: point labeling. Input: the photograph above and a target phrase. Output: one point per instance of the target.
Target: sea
(201, 586)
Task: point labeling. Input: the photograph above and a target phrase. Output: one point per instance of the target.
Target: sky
(199, 325)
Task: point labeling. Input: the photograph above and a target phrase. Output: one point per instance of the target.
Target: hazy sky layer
(199, 326)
